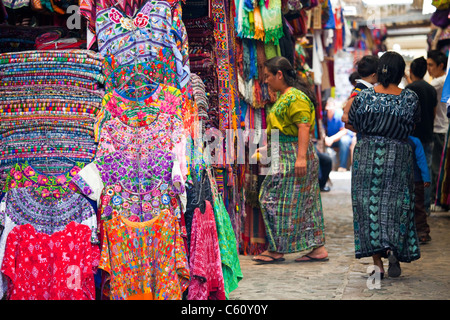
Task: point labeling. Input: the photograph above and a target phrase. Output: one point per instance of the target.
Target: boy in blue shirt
(422, 180)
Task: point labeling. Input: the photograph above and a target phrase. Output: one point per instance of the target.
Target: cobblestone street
(344, 277)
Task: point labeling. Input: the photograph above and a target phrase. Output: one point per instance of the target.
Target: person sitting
(337, 135)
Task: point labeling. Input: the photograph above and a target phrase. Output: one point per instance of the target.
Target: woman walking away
(383, 170)
(290, 193)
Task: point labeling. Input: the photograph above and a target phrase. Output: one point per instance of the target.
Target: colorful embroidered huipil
(160, 70)
(47, 210)
(59, 266)
(141, 112)
(136, 188)
(164, 133)
(139, 37)
(145, 260)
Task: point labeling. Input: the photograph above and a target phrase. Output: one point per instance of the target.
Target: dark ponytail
(282, 64)
(391, 69)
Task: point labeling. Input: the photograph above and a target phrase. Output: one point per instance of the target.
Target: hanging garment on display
(141, 112)
(141, 101)
(204, 260)
(37, 264)
(161, 70)
(198, 192)
(140, 37)
(164, 133)
(225, 78)
(138, 189)
(231, 267)
(48, 209)
(145, 260)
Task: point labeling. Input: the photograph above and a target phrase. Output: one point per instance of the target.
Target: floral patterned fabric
(145, 260)
(291, 108)
(161, 70)
(204, 261)
(25, 175)
(165, 133)
(140, 36)
(164, 99)
(138, 189)
(59, 266)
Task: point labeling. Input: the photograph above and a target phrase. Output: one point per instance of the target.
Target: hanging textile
(221, 35)
(68, 251)
(272, 20)
(205, 264)
(34, 94)
(145, 260)
(231, 268)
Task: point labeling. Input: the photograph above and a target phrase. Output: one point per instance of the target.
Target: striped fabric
(49, 101)
(292, 206)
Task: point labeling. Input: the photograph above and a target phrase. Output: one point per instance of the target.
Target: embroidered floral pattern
(164, 100)
(138, 189)
(134, 141)
(24, 175)
(145, 260)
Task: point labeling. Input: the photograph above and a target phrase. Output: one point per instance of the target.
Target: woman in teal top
(290, 194)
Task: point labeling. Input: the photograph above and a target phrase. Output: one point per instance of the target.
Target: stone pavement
(344, 277)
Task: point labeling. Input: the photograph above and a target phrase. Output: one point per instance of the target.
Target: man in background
(436, 67)
(428, 101)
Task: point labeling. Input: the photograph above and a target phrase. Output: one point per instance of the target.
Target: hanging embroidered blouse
(139, 37)
(46, 211)
(164, 133)
(58, 266)
(140, 112)
(136, 188)
(145, 260)
(161, 70)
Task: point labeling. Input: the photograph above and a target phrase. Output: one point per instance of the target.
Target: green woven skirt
(291, 206)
